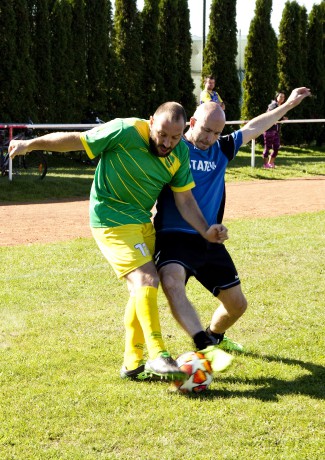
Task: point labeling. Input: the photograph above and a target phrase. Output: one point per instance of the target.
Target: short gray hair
(173, 110)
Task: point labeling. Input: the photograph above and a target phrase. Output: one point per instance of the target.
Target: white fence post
(10, 160)
(253, 154)
(10, 169)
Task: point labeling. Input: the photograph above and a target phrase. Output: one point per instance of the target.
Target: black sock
(202, 340)
(217, 337)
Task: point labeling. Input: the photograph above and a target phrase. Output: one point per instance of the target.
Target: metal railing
(84, 126)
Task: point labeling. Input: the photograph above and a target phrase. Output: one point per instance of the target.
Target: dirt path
(64, 220)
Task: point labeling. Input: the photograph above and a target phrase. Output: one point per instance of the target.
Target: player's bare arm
(258, 125)
(53, 142)
(190, 211)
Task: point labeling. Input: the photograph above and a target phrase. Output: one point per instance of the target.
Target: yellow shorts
(126, 247)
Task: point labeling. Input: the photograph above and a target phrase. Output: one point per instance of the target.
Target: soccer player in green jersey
(137, 158)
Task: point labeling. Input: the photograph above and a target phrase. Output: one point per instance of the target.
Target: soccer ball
(198, 369)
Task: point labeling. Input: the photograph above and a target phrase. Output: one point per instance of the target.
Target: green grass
(67, 178)
(61, 346)
(292, 162)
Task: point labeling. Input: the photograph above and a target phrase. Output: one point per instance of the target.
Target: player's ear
(192, 122)
(150, 121)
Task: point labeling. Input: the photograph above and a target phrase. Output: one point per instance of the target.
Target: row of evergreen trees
(66, 61)
(295, 58)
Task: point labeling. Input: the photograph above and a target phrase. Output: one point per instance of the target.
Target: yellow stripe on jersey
(129, 191)
(139, 167)
(88, 151)
(142, 128)
(122, 213)
(183, 189)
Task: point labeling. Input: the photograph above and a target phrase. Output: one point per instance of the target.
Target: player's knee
(237, 306)
(242, 306)
(169, 283)
(173, 285)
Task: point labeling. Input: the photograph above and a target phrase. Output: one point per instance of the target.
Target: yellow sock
(134, 338)
(147, 313)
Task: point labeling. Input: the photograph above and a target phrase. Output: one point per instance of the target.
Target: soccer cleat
(228, 344)
(218, 358)
(164, 367)
(267, 166)
(135, 374)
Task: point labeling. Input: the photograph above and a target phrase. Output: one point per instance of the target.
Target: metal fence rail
(11, 127)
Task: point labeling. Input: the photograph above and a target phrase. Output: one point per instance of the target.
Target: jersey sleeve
(101, 138)
(231, 144)
(182, 180)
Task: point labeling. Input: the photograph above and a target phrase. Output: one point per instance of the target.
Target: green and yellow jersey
(128, 177)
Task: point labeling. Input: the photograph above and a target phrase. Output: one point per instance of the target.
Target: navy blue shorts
(209, 263)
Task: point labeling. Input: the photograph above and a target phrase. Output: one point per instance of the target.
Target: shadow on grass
(58, 184)
(270, 388)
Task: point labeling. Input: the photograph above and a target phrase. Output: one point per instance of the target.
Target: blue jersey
(208, 169)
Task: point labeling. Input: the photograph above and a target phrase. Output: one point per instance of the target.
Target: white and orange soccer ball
(199, 372)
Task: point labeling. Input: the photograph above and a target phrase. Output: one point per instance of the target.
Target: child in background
(272, 135)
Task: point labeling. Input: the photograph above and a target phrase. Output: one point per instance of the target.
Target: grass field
(61, 345)
(62, 334)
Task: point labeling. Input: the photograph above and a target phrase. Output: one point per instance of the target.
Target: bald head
(206, 125)
(210, 110)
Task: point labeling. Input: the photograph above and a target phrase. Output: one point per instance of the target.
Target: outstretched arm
(258, 125)
(53, 142)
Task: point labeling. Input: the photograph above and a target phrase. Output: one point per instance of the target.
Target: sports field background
(61, 345)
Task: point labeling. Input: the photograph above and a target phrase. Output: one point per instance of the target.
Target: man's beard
(154, 149)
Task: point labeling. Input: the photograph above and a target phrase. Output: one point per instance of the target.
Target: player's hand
(217, 233)
(17, 147)
(298, 95)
